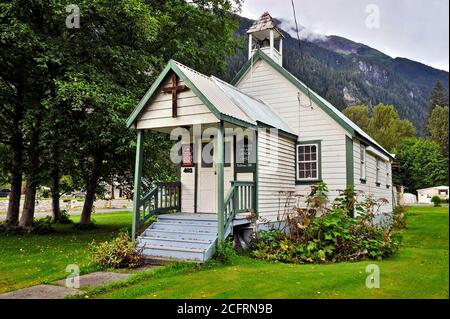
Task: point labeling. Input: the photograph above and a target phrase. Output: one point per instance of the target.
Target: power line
(302, 59)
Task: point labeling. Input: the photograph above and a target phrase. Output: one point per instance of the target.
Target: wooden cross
(174, 89)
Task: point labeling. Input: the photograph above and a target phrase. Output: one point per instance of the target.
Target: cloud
(303, 32)
(418, 30)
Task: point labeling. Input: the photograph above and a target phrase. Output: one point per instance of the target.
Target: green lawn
(420, 270)
(33, 259)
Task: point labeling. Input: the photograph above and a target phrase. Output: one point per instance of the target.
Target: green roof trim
(148, 95)
(172, 66)
(261, 55)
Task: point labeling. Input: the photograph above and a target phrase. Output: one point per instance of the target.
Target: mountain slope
(349, 73)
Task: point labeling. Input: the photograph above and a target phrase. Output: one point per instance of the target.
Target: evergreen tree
(438, 128)
(438, 96)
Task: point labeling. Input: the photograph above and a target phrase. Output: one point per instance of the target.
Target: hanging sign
(245, 161)
(187, 155)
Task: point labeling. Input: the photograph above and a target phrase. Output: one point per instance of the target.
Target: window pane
(307, 161)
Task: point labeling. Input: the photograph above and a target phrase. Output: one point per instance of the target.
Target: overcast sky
(415, 29)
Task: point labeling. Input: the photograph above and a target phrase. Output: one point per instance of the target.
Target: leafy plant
(226, 253)
(118, 253)
(437, 201)
(332, 236)
(64, 218)
(42, 226)
(399, 218)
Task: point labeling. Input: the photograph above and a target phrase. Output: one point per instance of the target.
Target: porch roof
(225, 101)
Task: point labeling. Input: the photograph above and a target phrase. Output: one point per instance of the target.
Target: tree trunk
(12, 215)
(90, 190)
(56, 209)
(26, 220)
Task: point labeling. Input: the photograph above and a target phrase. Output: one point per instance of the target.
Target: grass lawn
(420, 270)
(34, 259)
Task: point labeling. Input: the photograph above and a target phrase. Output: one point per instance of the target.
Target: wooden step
(190, 227)
(176, 234)
(160, 241)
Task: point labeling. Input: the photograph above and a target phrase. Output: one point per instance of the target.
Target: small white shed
(426, 194)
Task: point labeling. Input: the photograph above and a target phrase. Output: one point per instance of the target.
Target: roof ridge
(190, 69)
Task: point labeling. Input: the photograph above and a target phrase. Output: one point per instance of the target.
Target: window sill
(307, 182)
(378, 184)
(363, 181)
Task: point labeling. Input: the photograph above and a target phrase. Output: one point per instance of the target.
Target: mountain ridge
(348, 73)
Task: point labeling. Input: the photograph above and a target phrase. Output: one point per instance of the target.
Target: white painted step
(164, 242)
(177, 253)
(212, 223)
(190, 227)
(176, 234)
(194, 217)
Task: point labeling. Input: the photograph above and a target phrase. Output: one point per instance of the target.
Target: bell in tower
(264, 35)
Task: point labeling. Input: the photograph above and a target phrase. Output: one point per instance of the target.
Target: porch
(187, 231)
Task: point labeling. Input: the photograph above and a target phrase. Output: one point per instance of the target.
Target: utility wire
(302, 59)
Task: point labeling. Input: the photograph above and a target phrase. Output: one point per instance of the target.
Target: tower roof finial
(265, 22)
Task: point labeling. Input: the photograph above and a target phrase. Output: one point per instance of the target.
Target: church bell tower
(264, 35)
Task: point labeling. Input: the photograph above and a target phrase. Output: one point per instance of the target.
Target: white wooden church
(292, 139)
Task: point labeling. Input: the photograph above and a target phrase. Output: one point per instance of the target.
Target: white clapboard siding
(158, 112)
(308, 120)
(276, 173)
(370, 186)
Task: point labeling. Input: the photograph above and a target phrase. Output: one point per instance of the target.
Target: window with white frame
(377, 176)
(308, 162)
(362, 165)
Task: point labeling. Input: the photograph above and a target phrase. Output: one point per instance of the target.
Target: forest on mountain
(348, 73)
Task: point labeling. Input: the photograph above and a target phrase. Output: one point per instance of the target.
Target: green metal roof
(225, 101)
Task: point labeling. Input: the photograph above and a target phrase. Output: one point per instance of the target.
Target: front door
(207, 182)
(207, 177)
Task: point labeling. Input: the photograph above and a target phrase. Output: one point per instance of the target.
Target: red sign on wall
(187, 155)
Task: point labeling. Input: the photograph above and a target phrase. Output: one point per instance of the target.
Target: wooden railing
(164, 197)
(240, 199)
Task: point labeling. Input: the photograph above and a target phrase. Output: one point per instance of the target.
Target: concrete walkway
(58, 290)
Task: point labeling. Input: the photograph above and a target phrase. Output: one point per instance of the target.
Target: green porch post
(137, 181)
(220, 156)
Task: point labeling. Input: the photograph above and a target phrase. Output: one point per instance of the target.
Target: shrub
(64, 218)
(399, 218)
(437, 201)
(11, 229)
(332, 237)
(117, 253)
(226, 253)
(316, 234)
(42, 226)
